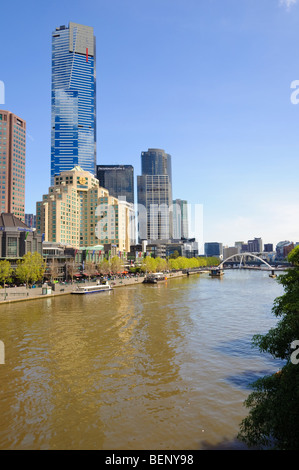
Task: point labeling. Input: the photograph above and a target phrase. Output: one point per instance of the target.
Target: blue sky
(209, 81)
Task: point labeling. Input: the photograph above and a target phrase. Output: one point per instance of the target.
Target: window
(12, 247)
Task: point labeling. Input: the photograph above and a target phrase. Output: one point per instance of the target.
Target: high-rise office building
(283, 248)
(230, 251)
(116, 223)
(154, 192)
(156, 162)
(268, 247)
(180, 219)
(12, 164)
(67, 214)
(78, 212)
(255, 245)
(73, 123)
(118, 179)
(213, 249)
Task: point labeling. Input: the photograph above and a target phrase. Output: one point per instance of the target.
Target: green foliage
(104, 267)
(293, 257)
(5, 272)
(31, 268)
(116, 265)
(173, 264)
(150, 264)
(161, 264)
(273, 418)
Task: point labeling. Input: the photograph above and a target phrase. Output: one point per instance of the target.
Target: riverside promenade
(22, 294)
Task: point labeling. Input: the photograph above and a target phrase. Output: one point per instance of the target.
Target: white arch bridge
(243, 256)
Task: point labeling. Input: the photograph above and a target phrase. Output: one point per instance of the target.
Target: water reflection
(246, 379)
(142, 367)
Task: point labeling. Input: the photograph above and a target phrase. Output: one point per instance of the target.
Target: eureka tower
(73, 99)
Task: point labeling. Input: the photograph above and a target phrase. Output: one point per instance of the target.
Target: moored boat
(92, 289)
(154, 278)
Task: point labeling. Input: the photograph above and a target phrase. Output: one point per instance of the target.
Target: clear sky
(208, 81)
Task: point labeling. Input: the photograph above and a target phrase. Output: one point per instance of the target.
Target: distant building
(156, 250)
(268, 247)
(213, 249)
(255, 246)
(16, 238)
(239, 245)
(283, 248)
(230, 251)
(252, 246)
(154, 194)
(12, 164)
(167, 248)
(190, 247)
(116, 224)
(180, 219)
(118, 179)
(30, 220)
(67, 214)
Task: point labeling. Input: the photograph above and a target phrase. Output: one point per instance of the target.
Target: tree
(90, 269)
(201, 262)
(212, 261)
(31, 268)
(53, 269)
(182, 262)
(104, 267)
(71, 268)
(173, 264)
(161, 264)
(174, 255)
(116, 264)
(5, 273)
(148, 264)
(273, 420)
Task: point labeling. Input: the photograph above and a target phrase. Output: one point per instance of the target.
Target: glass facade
(73, 105)
(156, 162)
(213, 249)
(155, 196)
(180, 219)
(118, 179)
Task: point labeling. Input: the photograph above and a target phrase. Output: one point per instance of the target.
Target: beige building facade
(115, 223)
(79, 213)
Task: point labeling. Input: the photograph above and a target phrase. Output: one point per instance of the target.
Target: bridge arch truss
(242, 257)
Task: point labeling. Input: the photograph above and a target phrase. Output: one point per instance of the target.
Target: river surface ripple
(166, 366)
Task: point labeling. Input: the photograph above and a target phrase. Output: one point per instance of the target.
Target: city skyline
(204, 85)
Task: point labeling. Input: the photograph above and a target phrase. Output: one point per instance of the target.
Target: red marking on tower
(86, 54)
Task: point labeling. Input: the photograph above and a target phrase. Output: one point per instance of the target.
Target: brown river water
(144, 367)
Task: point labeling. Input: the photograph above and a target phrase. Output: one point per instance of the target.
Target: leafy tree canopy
(31, 268)
(273, 420)
(5, 272)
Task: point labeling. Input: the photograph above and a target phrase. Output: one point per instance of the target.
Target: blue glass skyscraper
(73, 132)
